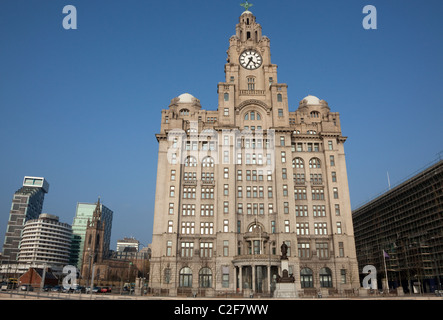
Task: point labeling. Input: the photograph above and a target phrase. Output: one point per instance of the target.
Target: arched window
(185, 277)
(184, 112)
(190, 162)
(314, 163)
(279, 97)
(208, 162)
(298, 163)
(325, 278)
(226, 96)
(306, 278)
(315, 114)
(253, 115)
(205, 278)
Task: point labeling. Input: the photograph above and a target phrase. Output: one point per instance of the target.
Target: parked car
(26, 287)
(56, 289)
(47, 288)
(96, 289)
(105, 289)
(79, 289)
(3, 286)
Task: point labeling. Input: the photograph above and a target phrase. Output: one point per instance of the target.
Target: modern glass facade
(84, 212)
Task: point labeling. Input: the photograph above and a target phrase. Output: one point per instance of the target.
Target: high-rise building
(84, 213)
(236, 183)
(400, 233)
(126, 243)
(27, 204)
(46, 241)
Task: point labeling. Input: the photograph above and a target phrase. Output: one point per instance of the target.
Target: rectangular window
(341, 250)
(330, 145)
(172, 175)
(225, 248)
(168, 248)
(286, 207)
(226, 190)
(282, 141)
(207, 210)
(343, 275)
(283, 157)
(206, 249)
(226, 110)
(239, 175)
(335, 193)
(187, 249)
(303, 250)
(171, 191)
(318, 194)
(334, 176)
(225, 207)
(272, 226)
(171, 208)
(170, 225)
(332, 161)
(188, 227)
(240, 208)
(322, 250)
(280, 113)
(302, 229)
(301, 211)
(320, 228)
(225, 225)
(206, 228)
(337, 209)
(287, 229)
(300, 194)
(338, 227)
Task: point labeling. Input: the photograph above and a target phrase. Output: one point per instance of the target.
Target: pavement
(86, 296)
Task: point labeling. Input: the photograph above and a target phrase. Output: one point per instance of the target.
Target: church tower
(94, 238)
(236, 183)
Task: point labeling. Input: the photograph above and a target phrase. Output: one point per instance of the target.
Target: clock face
(250, 59)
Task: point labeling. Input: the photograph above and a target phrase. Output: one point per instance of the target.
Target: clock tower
(251, 78)
(234, 184)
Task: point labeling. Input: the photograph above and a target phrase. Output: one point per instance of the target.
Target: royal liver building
(236, 183)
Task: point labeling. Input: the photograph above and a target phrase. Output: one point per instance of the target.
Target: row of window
(254, 159)
(252, 143)
(254, 175)
(253, 192)
(207, 210)
(207, 228)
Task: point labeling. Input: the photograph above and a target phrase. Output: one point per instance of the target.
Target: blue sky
(81, 107)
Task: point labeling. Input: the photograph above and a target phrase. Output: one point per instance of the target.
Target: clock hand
(250, 60)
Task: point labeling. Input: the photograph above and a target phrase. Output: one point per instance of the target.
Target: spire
(246, 5)
(97, 212)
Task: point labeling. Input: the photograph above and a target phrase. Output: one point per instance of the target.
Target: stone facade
(235, 183)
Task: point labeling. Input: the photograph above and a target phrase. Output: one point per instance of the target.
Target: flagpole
(386, 271)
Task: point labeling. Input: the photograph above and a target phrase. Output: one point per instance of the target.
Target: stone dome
(311, 100)
(186, 98)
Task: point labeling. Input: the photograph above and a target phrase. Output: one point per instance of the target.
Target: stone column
(240, 271)
(253, 278)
